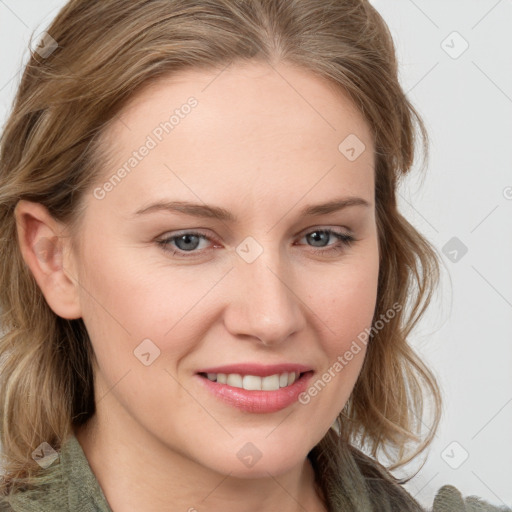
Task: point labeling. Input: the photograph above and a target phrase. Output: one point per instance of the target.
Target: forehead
(261, 129)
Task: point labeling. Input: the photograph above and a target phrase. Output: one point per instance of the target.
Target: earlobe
(45, 250)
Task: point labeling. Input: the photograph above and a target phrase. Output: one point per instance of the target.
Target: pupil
(318, 235)
(187, 239)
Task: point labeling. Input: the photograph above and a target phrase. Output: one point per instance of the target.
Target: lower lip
(258, 401)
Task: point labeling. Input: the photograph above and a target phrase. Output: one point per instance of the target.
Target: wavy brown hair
(51, 153)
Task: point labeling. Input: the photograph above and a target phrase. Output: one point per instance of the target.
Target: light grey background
(465, 99)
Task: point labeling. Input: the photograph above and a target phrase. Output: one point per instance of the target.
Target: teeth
(270, 383)
(253, 382)
(235, 380)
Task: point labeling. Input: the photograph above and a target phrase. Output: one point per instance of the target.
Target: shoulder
(4, 505)
(449, 499)
(46, 492)
(389, 490)
(67, 484)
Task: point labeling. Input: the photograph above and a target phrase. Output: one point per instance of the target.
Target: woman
(269, 360)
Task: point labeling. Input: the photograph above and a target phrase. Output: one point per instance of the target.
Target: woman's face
(205, 253)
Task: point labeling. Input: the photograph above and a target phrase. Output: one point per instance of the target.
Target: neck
(138, 472)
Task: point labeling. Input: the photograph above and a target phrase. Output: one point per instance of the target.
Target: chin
(248, 459)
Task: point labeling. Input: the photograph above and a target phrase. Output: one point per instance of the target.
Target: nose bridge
(266, 306)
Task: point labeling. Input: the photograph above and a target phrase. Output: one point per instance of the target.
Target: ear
(47, 253)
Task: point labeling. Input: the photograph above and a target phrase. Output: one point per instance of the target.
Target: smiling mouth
(254, 382)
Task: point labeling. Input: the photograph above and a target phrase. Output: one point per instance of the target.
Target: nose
(263, 304)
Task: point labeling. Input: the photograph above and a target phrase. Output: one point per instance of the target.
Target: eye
(321, 236)
(186, 242)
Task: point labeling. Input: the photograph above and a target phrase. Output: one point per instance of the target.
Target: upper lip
(258, 370)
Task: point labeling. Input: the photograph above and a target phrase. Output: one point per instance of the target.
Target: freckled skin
(257, 148)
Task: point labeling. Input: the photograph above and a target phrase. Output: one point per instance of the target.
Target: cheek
(347, 303)
(350, 321)
(125, 301)
(345, 309)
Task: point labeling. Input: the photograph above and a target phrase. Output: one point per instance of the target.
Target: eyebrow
(216, 212)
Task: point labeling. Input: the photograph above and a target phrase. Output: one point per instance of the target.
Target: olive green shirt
(70, 486)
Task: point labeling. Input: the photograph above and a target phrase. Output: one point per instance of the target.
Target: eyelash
(345, 241)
